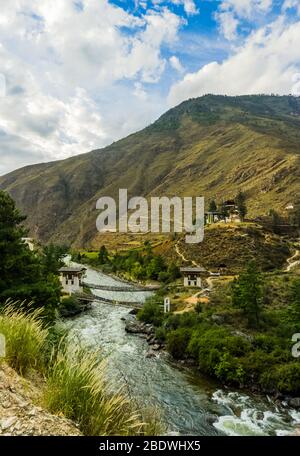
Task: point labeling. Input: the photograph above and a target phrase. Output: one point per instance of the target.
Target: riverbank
(226, 345)
(121, 277)
(70, 382)
(148, 332)
(188, 402)
(21, 410)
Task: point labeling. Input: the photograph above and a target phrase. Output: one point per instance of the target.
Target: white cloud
(246, 8)
(63, 66)
(228, 24)
(189, 6)
(176, 64)
(290, 4)
(139, 91)
(267, 62)
(231, 12)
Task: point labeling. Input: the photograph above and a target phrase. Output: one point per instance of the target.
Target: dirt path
(181, 255)
(292, 262)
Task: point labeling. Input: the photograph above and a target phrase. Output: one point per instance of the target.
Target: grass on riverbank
(75, 384)
(76, 387)
(25, 336)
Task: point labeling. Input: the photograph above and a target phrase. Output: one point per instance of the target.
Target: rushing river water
(188, 403)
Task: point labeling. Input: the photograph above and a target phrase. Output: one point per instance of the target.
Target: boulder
(294, 402)
(134, 326)
(151, 354)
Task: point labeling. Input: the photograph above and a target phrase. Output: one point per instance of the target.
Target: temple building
(71, 279)
(192, 276)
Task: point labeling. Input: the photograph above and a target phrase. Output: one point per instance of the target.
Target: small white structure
(30, 242)
(167, 305)
(289, 207)
(192, 276)
(71, 279)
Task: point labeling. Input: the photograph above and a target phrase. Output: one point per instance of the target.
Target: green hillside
(211, 146)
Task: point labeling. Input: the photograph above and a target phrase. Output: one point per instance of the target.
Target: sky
(76, 75)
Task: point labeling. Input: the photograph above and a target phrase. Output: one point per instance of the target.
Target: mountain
(211, 146)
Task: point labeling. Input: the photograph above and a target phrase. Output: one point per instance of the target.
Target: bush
(184, 320)
(160, 334)
(177, 342)
(151, 312)
(218, 353)
(284, 378)
(230, 369)
(69, 306)
(25, 337)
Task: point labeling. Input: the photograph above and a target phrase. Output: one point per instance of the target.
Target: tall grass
(25, 337)
(75, 381)
(76, 387)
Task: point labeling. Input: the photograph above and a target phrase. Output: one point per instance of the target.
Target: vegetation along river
(188, 403)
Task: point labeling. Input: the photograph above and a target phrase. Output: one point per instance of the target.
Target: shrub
(215, 349)
(160, 334)
(25, 337)
(70, 305)
(177, 342)
(151, 312)
(229, 369)
(284, 378)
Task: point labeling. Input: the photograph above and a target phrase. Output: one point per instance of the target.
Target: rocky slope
(19, 414)
(211, 146)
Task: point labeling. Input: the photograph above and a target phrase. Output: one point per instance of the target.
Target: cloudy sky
(76, 75)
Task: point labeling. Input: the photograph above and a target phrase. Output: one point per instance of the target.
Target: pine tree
(241, 204)
(247, 294)
(212, 206)
(102, 255)
(23, 275)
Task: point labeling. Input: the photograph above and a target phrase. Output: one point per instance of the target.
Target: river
(189, 404)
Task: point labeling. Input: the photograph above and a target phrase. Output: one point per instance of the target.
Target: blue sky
(78, 75)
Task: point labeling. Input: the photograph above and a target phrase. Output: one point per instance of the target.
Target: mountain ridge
(211, 146)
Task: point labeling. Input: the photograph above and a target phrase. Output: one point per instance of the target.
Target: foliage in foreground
(76, 384)
(25, 337)
(77, 388)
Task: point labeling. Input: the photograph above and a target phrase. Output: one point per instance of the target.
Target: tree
(224, 210)
(241, 204)
(173, 271)
(52, 257)
(212, 206)
(23, 275)
(151, 311)
(275, 220)
(155, 266)
(247, 294)
(295, 300)
(103, 255)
